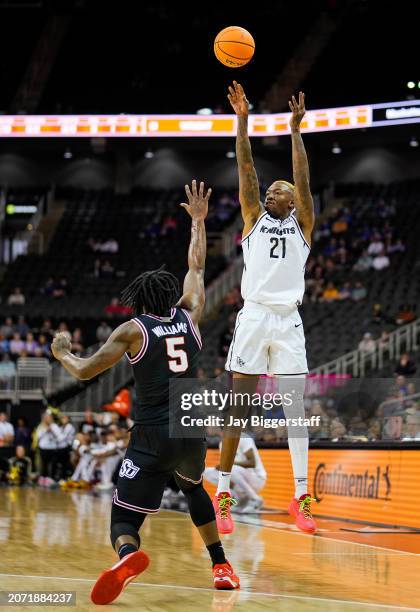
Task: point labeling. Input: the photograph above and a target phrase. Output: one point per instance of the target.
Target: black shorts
(151, 459)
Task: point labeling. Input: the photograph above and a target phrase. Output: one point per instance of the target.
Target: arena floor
(55, 541)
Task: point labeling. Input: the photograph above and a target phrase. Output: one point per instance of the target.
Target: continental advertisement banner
(376, 486)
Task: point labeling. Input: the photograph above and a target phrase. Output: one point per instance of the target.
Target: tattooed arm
(249, 190)
(303, 197)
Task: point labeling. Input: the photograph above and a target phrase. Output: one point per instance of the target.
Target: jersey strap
(135, 358)
(255, 227)
(299, 229)
(194, 331)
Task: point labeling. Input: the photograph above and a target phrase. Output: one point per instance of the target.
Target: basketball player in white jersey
(268, 336)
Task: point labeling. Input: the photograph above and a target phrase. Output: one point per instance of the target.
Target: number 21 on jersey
(274, 251)
(177, 357)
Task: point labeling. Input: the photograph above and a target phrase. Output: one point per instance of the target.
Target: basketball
(234, 46)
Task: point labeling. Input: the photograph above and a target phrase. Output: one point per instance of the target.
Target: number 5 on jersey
(179, 358)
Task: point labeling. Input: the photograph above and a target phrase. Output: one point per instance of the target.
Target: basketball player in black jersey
(162, 342)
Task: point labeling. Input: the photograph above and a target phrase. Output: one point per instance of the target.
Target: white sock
(224, 483)
(298, 448)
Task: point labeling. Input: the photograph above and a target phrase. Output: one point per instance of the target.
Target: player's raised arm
(125, 338)
(249, 190)
(303, 198)
(193, 297)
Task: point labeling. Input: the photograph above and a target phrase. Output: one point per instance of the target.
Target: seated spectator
(116, 309)
(378, 316)
(4, 345)
(331, 248)
(337, 430)
(103, 332)
(359, 292)
(396, 247)
(21, 327)
(405, 366)
(7, 372)
(6, 330)
(345, 292)
(89, 424)
(367, 345)
(330, 293)
(405, 315)
(7, 432)
(109, 246)
(321, 430)
(383, 342)
(61, 289)
(412, 428)
(376, 245)
(30, 345)
(16, 298)
(381, 261)
(16, 345)
(47, 329)
(77, 341)
(44, 347)
(48, 288)
(20, 467)
(169, 226)
(107, 269)
(374, 429)
(364, 262)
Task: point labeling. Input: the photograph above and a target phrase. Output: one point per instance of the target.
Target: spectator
(21, 327)
(22, 434)
(383, 342)
(16, 298)
(44, 346)
(364, 262)
(381, 261)
(367, 345)
(47, 329)
(20, 467)
(6, 330)
(61, 289)
(16, 345)
(337, 430)
(405, 366)
(48, 434)
(7, 432)
(359, 292)
(4, 345)
(107, 269)
(31, 345)
(345, 292)
(330, 293)
(103, 332)
(412, 428)
(405, 315)
(7, 372)
(396, 247)
(115, 309)
(64, 446)
(48, 288)
(77, 341)
(374, 429)
(89, 424)
(376, 245)
(107, 457)
(169, 226)
(109, 246)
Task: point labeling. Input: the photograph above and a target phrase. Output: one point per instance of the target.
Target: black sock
(126, 549)
(216, 553)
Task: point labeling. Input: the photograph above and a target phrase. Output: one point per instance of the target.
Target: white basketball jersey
(275, 253)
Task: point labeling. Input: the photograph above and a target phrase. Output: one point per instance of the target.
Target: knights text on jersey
(171, 347)
(275, 253)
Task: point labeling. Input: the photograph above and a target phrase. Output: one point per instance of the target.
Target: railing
(357, 362)
(32, 380)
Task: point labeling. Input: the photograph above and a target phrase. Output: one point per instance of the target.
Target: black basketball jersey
(170, 349)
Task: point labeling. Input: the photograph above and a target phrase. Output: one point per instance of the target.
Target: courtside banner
(377, 486)
(152, 126)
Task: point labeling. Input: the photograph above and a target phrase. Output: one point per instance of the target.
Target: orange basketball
(234, 46)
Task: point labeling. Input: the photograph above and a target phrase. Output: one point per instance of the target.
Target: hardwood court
(50, 540)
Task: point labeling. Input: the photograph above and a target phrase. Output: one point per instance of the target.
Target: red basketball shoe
(301, 510)
(113, 580)
(221, 504)
(224, 577)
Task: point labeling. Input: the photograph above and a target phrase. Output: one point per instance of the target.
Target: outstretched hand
(237, 98)
(198, 203)
(298, 110)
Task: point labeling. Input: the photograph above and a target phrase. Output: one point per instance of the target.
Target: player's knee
(199, 504)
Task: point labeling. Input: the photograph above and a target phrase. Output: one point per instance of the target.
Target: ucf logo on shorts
(128, 469)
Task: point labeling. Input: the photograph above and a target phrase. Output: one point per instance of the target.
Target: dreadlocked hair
(153, 292)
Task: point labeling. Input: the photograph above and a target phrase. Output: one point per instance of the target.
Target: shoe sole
(112, 581)
(225, 584)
